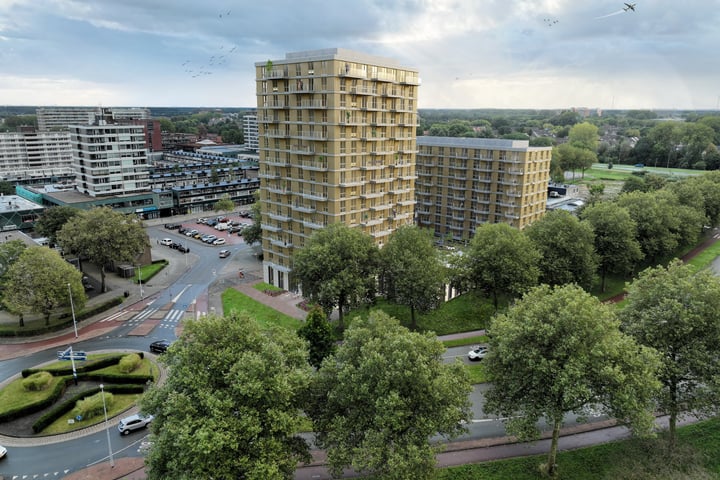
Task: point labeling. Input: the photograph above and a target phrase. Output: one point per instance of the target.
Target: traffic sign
(80, 356)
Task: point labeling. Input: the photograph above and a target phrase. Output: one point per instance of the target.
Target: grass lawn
(149, 271)
(14, 395)
(476, 371)
(466, 341)
(706, 257)
(262, 286)
(121, 402)
(697, 457)
(264, 315)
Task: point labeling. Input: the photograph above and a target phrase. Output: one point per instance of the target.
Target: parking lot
(204, 226)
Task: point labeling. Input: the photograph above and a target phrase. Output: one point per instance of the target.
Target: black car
(172, 226)
(175, 245)
(183, 249)
(160, 346)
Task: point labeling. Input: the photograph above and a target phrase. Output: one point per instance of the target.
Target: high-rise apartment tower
(336, 144)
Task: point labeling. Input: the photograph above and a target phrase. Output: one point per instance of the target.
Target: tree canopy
(677, 313)
(559, 350)
(230, 407)
(104, 236)
(411, 270)
(337, 268)
(38, 282)
(567, 249)
(500, 260)
(9, 253)
(53, 219)
(316, 331)
(225, 204)
(377, 401)
(253, 233)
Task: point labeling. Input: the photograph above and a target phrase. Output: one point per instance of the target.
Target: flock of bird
(214, 61)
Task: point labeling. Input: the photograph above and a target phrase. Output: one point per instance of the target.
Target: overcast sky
(469, 53)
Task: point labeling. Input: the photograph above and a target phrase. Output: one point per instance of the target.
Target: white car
(3, 451)
(134, 422)
(219, 241)
(477, 353)
(166, 241)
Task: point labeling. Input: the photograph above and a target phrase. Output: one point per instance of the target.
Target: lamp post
(140, 281)
(107, 429)
(72, 308)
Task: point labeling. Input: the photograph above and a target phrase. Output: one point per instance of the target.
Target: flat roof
(15, 203)
(338, 54)
(469, 142)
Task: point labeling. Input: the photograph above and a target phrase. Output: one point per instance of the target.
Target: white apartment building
(110, 159)
(29, 154)
(60, 118)
(250, 131)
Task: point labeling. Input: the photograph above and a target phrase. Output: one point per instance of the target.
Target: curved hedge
(43, 422)
(37, 406)
(39, 330)
(89, 366)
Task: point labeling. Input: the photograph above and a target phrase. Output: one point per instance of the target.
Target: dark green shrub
(37, 406)
(37, 381)
(93, 405)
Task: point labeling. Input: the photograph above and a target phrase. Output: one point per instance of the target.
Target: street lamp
(72, 308)
(107, 429)
(140, 281)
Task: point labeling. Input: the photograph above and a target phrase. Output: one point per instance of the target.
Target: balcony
(381, 180)
(351, 183)
(372, 194)
(275, 73)
(303, 208)
(311, 135)
(280, 243)
(400, 190)
(271, 228)
(277, 190)
(298, 149)
(382, 233)
(380, 208)
(269, 176)
(278, 217)
(373, 165)
(312, 224)
(406, 203)
(313, 196)
(274, 133)
(277, 162)
(347, 71)
(372, 221)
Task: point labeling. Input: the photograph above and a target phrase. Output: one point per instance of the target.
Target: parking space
(228, 232)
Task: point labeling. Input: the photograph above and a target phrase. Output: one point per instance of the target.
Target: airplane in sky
(630, 6)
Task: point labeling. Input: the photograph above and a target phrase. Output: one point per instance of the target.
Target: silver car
(134, 422)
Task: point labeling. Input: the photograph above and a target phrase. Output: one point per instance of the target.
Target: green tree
(317, 332)
(615, 238)
(105, 236)
(677, 313)
(567, 249)
(662, 223)
(53, 219)
(225, 204)
(38, 282)
(9, 253)
(253, 233)
(499, 260)
(584, 135)
(411, 270)
(559, 351)
(376, 402)
(231, 403)
(6, 188)
(573, 158)
(337, 268)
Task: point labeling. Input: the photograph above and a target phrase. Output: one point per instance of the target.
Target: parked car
(200, 220)
(183, 249)
(219, 241)
(182, 230)
(223, 219)
(3, 451)
(175, 245)
(245, 214)
(134, 422)
(224, 253)
(159, 346)
(235, 229)
(221, 227)
(166, 241)
(191, 233)
(212, 222)
(210, 238)
(172, 226)
(477, 353)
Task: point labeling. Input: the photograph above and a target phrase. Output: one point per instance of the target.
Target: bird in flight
(630, 6)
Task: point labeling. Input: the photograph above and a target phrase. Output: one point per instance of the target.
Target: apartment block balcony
(427, 201)
(514, 171)
(275, 73)
(511, 215)
(275, 133)
(348, 71)
(313, 104)
(400, 190)
(312, 224)
(372, 165)
(381, 180)
(277, 190)
(269, 176)
(299, 149)
(316, 135)
(313, 196)
(369, 222)
(279, 217)
(406, 203)
(278, 162)
(303, 208)
(351, 183)
(382, 233)
(380, 208)
(372, 194)
(275, 105)
(271, 228)
(280, 243)
(361, 90)
(408, 177)
(403, 216)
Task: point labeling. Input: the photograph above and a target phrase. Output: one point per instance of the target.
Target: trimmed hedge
(37, 406)
(37, 381)
(47, 419)
(40, 330)
(89, 366)
(128, 363)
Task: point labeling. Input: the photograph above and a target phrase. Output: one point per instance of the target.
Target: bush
(128, 363)
(69, 404)
(37, 381)
(37, 406)
(93, 405)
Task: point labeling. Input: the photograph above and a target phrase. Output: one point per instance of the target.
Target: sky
(536, 54)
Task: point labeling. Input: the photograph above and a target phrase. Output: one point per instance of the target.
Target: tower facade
(336, 135)
(465, 182)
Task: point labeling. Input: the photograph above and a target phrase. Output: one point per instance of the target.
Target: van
(222, 226)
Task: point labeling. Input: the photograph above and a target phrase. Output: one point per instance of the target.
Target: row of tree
(37, 279)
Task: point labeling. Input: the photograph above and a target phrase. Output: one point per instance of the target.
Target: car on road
(224, 253)
(166, 241)
(172, 226)
(183, 249)
(477, 353)
(134, 422)
(159, 346)
(219, 241)
(3, 451)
